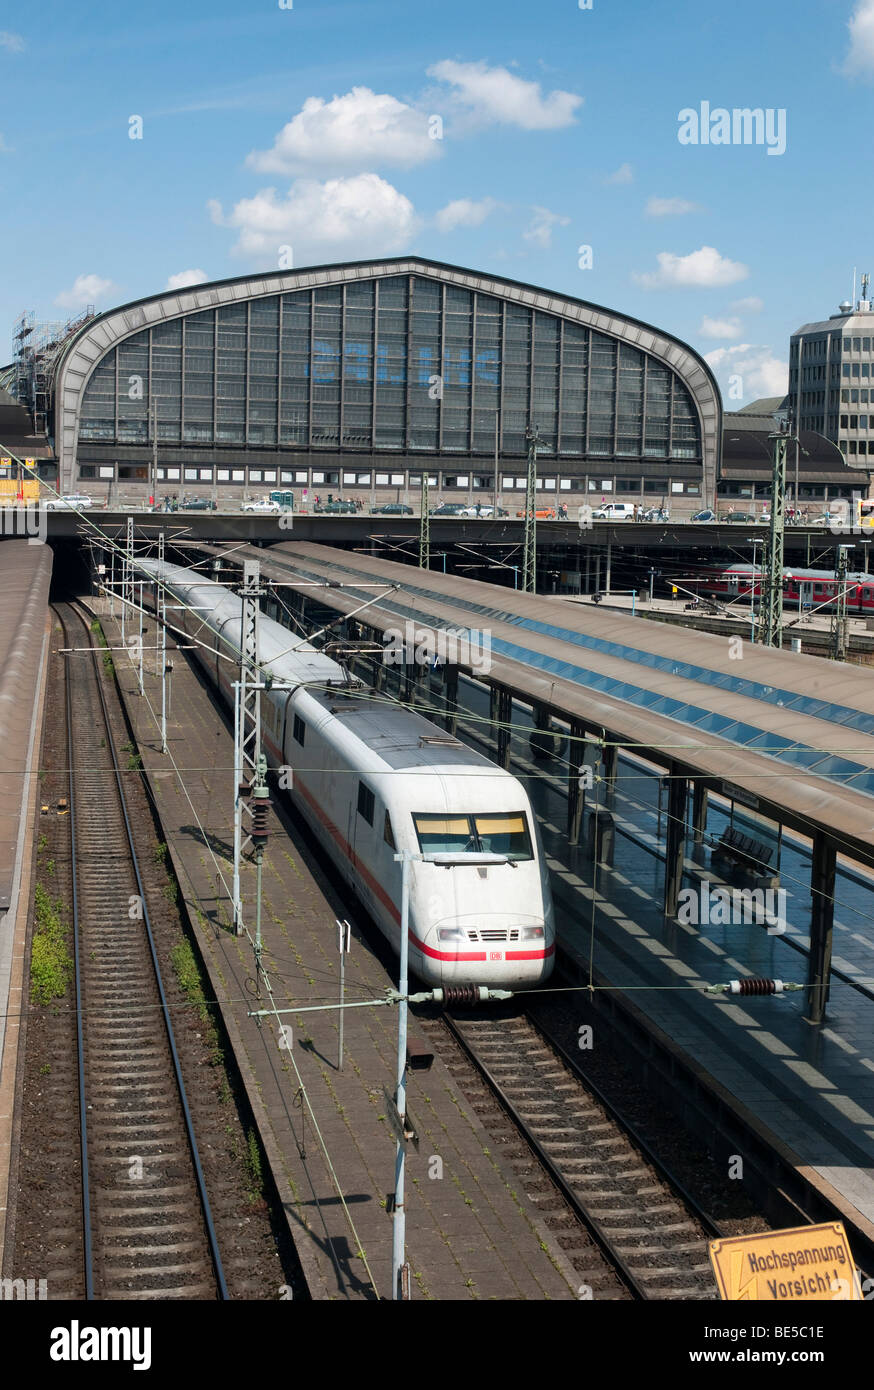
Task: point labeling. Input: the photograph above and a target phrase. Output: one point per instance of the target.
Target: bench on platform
(747, 853)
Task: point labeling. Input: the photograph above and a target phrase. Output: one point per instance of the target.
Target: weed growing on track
(108, 666)
(188, 975)
(187, 972)
(254, 1171)
(51, 965)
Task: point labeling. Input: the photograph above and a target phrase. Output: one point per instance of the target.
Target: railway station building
(354, 378)
(350, 380)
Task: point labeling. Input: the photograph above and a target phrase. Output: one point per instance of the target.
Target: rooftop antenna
(865, 283)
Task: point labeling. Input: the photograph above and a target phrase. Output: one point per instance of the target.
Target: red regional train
(802, 588)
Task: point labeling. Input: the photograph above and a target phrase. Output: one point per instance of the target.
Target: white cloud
(704, 268)
(86, 289)
(624, 174)
(184, 278)
(465, 212)
(860, 58)
(761, 372)
(670, 207)
(751, 305)
(358, 131)
(494, 94)
(720, 328)
(539, 230)
(340, 219)
(13, 43)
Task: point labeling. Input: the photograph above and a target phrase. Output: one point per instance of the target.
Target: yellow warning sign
(797, 1266)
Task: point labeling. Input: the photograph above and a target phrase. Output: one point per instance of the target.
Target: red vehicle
(802, 588)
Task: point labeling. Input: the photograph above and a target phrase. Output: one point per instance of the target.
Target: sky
(560, 143)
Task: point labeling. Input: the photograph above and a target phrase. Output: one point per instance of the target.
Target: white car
(486, 509)
(74, 501)
(265, 504)
(614, 511)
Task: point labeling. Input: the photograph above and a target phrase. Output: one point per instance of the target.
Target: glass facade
(405, 364)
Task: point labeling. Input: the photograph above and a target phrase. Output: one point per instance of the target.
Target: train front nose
(483, 949)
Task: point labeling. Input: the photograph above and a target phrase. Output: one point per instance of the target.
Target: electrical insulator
(756, 985)
(260, 808)
(461, 994)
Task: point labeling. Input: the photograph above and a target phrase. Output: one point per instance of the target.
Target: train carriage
(802, 588)
(371, 777)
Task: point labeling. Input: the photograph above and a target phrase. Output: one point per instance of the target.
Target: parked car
(392, 509)
(448, 509)
(745, 518)
(542, 513)
(708, 514)
(336, 508)
(198, 504)
(614, 511)
(264, 504)
(485, 509)
(73, 501)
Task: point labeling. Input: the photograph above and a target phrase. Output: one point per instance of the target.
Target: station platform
(808, 1088)
(813, 631)
(25, 626)
(470, 1233)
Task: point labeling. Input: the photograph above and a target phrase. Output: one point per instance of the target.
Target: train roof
(400, 737)
(221, 609)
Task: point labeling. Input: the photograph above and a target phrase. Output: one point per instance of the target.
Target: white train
(370, 778)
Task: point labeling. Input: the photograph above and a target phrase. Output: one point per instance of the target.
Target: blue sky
(557, 128)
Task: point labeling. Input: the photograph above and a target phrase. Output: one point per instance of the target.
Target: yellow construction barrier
(14, 490)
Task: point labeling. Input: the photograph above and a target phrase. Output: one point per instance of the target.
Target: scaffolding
(37, 347)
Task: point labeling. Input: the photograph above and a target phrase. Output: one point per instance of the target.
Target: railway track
(649, 1229)
(148, 1230)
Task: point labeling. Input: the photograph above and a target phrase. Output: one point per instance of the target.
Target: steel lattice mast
(247, 720)
(770, 625)
(839, 621)
(529, 576)
(425, 527)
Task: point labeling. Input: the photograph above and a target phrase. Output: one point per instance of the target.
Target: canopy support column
(822, 918)
(675, 841)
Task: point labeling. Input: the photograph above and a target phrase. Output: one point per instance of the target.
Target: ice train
(370, 778)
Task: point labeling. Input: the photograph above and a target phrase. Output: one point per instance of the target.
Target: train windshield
(499, 832)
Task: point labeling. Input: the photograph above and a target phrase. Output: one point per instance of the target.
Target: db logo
(495, 955)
